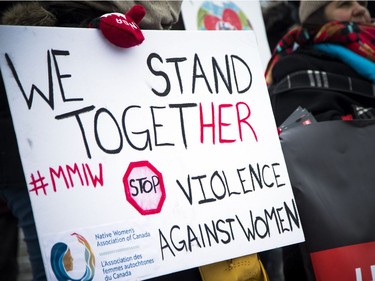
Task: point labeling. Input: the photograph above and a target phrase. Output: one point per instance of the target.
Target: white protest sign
(228, 15)
(148, 160)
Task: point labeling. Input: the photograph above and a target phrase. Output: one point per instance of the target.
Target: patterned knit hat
(308, 7)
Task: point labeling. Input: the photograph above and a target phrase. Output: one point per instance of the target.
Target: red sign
(355, 262)
(144, 187)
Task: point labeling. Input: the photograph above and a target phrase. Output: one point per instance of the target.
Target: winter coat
(159, 14)
(334, 101)
(329, 89)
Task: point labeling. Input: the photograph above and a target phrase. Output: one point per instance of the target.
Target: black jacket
(11, 173)
(330, 101)
(329, 89)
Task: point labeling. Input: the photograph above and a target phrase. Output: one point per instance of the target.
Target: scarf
(358, 38)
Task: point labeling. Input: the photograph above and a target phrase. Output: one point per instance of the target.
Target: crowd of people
(332, 41)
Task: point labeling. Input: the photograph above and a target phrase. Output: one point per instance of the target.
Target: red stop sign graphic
(144, 187)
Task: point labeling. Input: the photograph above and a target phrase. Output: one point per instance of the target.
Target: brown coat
(159, 14)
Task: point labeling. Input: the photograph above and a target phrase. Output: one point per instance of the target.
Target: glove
(121, 30)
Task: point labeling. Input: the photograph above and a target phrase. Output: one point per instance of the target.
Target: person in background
(279, 17)
(9, 232)
(327, 66)
(13, 188)
(330, 40)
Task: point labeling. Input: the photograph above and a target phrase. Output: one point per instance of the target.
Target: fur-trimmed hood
(159, 14)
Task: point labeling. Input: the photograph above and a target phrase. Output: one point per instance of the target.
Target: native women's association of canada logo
(64, 265)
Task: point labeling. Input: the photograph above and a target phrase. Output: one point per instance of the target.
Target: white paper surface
(186, 116)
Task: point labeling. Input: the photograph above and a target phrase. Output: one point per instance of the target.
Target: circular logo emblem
(62, 261)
